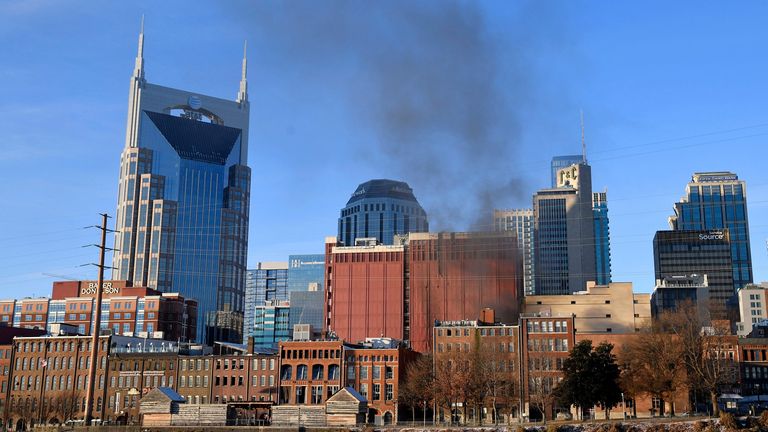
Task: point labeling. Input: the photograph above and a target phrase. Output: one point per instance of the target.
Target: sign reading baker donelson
(107, 288)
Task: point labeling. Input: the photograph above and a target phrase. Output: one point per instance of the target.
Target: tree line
(679, 353)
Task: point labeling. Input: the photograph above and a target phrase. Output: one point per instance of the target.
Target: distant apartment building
(718, 201)
(381, 209)
(600, 309)
(521, 223)
(125, 309)
(708, 252)
(752, 307)
(400, 290)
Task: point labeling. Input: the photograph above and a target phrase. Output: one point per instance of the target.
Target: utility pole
(96, 329)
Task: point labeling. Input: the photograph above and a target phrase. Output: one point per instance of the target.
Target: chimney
(488, 316)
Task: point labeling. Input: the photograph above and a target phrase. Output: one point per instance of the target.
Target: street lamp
(623, 406)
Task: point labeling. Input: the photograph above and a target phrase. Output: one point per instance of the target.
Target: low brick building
(126, 310)
(313, 371)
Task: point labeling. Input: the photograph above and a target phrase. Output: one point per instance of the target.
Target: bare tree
(418, 389)
(452, 380)
(497, 379)
(652, 364)
(707, 351)
(24, 409)
(67, 405)
(540, 392)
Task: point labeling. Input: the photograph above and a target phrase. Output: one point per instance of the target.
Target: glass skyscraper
(602, 238)
(268, 282)
(183, 200)
(381, 209)
(718, 200)
(521, 223)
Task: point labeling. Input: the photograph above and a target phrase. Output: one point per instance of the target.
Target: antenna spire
(583, 143)
(242, 95)
(138, 71)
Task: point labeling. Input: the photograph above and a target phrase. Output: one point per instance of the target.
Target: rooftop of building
(713, 176)
(383, 188)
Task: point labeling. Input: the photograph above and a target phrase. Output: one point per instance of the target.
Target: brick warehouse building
(400, 290)
(312, 371)
(126, 310)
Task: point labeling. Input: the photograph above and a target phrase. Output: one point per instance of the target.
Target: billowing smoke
(443, 93)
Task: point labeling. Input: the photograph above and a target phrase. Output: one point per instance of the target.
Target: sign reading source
(712, 235)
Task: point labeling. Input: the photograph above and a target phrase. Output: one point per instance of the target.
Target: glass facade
(268, 282)
(718, 200)
(602, 238)
(381, 209)
(521, 223)
(552, 248)
(271, 324)
(307, 308)
(306, 272)
(682, 253)
(183, 200)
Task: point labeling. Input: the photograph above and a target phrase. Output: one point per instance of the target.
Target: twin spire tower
(183, 199)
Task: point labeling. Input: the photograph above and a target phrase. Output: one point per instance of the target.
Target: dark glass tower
(381, 209)
(685, 252)
(182, 208)
(713, 201)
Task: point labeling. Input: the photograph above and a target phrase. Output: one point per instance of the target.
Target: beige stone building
(601, 309)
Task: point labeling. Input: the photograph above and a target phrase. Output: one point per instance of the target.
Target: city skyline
(64, 117)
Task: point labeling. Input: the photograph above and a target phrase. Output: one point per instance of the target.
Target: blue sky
(465, 101)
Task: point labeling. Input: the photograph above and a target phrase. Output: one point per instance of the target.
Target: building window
(301, 394)
(317, 395)
(376, 392)
(389, 395)
(390, 372)
(364, 390)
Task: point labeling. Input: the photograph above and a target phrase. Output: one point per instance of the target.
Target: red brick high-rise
(399, 291)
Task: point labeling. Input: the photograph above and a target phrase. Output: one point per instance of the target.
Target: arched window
(285, 372)
(333, 372)
(317, 372)
(301, 372)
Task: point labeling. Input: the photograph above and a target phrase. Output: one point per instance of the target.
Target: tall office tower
(564, 233)
(708, 253)
(182, 207)
(713, 201)
(560, 162)
(268, 282)
(602, 238)
(521, 223)
(381, 209)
